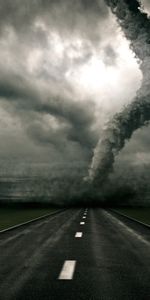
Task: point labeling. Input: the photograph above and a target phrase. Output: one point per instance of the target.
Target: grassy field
(13, 216)
(140, 214)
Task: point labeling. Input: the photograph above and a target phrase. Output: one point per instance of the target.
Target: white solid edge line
(67, 270)
(28, 222)
(78, 234)
(82, 223)
(128, 217)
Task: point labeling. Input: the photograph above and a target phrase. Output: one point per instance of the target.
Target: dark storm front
(70, 191)
(21, 189)
(36, 189)
(55, 184)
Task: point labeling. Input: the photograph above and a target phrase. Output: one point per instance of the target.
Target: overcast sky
(65, 69)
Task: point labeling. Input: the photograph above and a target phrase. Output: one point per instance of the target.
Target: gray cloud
(25, 26)
(74, 16)
(29, 97)
(110, 56)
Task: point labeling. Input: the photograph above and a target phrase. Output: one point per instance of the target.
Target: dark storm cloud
(136, 27)
(65, 15)
(15, 87)
(45, 135)
(110, 56)
(76, 125)
(28, 97)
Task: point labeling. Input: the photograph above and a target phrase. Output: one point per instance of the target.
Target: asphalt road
(108, 257)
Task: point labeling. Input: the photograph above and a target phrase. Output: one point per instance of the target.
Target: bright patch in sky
(90, 76)
(93, 75)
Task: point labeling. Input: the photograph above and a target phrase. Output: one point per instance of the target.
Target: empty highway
(80, 254)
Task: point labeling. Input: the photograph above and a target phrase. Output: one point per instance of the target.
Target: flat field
(13, 216)
(140, 214)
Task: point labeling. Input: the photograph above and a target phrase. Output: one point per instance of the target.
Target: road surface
(77, 254)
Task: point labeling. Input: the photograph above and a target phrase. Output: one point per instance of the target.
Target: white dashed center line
(82, 223)
(78, 234)
(67, 270)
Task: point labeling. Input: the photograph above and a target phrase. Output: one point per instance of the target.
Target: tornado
(136, 27)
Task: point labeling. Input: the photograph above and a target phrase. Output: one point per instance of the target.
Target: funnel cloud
(136, 27)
